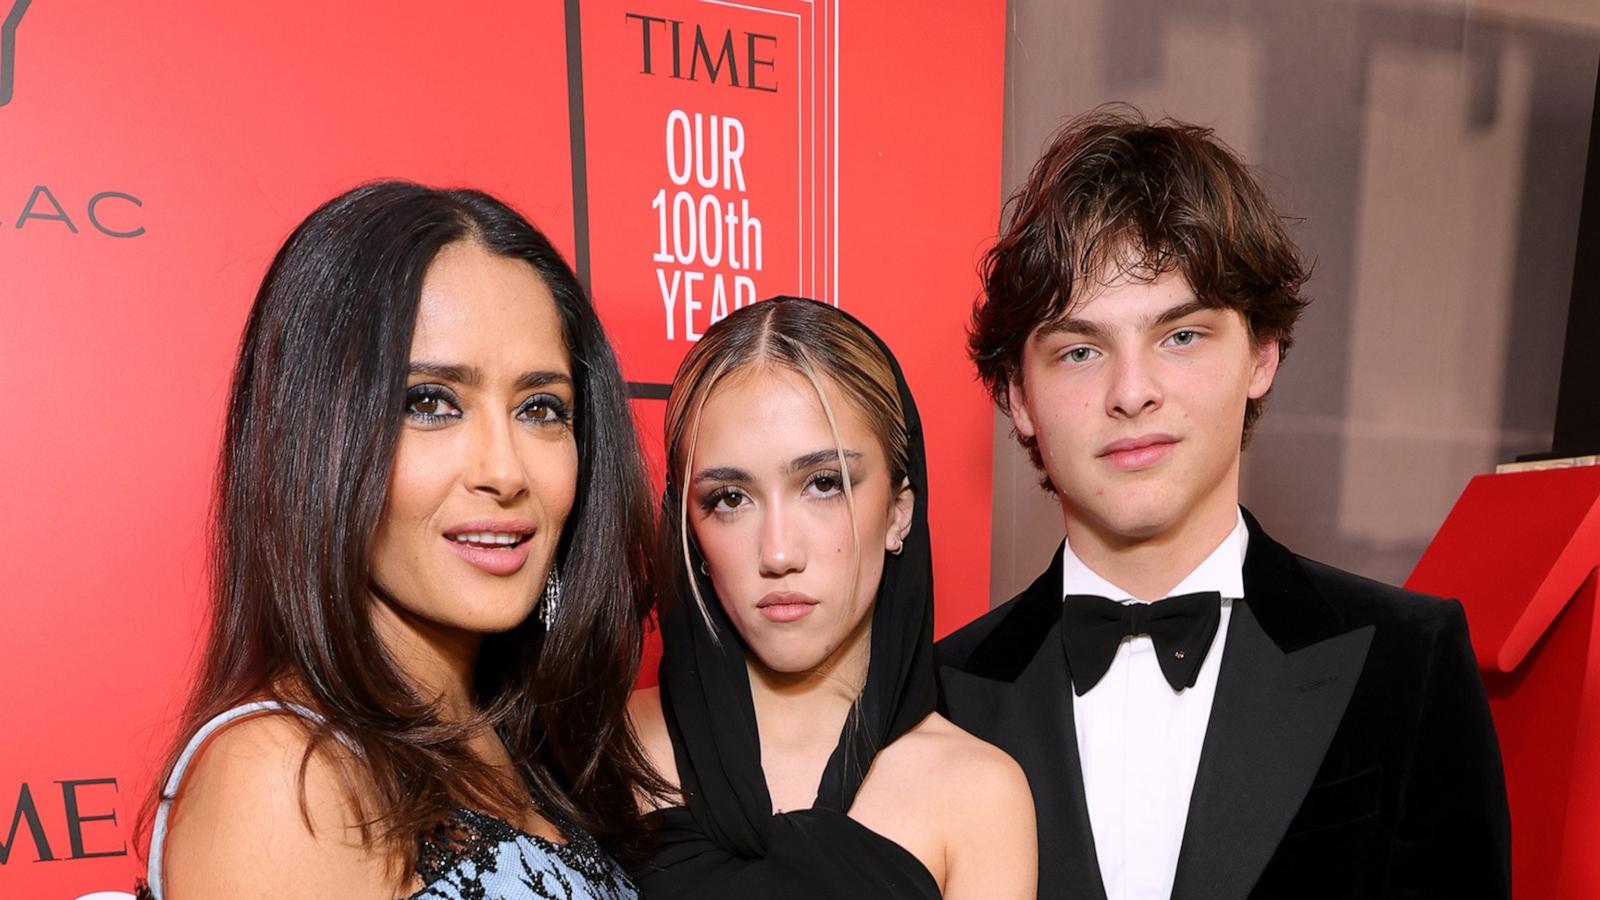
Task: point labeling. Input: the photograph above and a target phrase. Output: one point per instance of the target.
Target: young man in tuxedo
(1200, 712)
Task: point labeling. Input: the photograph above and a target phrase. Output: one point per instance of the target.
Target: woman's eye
(826, 483)
(543, 409)
(723, 501)
(430, 404)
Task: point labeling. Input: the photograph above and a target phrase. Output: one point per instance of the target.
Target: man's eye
(1079, 354)
(1185, 338)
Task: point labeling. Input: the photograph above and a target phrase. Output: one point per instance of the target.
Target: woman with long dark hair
(795, 717)
(429, 576)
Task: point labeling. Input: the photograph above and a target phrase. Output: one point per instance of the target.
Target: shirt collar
(1222, 571)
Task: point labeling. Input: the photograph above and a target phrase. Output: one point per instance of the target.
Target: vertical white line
(834, 213)
(800, 169)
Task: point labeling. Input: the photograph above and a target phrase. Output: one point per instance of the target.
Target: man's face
(1137, 400)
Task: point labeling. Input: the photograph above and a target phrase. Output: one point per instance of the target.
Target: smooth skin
(1143, 359)
(486, 436)
(767, 507)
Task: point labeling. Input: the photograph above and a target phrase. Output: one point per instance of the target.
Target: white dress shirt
(1140, 740)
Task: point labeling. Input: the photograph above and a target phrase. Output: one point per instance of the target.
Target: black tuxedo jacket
(1350, 751)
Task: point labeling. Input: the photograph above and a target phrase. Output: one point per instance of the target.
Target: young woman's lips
(1139, 453)
(785, 606)
(496, 559)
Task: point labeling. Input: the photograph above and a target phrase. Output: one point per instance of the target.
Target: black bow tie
(1181, 628)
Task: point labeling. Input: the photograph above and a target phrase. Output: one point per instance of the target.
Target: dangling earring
(552, 596)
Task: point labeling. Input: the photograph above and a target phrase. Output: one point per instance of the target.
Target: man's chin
(1127, 524)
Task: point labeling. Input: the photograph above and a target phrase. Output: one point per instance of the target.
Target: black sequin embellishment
(457, 858)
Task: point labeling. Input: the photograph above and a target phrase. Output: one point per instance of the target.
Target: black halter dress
(725, 842)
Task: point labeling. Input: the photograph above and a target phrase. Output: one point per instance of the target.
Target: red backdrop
(150, 164)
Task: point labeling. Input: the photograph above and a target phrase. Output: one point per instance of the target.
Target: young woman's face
(486, 467)
(767, 506)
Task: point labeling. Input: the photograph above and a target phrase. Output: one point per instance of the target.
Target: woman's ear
(905, 501)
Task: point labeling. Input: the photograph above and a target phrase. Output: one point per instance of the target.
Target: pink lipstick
(786, 606)
(497, 546)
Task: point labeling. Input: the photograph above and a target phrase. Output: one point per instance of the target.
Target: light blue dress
(473, 856)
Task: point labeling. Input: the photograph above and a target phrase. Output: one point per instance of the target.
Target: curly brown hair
(1117, 196)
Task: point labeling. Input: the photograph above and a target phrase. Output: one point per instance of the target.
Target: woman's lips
(786, 606)
(1130, 456)
(502, 560)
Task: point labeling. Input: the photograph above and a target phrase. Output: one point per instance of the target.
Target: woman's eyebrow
(721, 473)
(817, 458)
(472, 376)
(467, 375)
(542, 378)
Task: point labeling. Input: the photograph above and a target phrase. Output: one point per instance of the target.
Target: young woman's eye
(1184, 338)
(429, 403)
(544, 409)
(826, 483)
(721, 501)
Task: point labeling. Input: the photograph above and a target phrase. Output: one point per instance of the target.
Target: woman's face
(486, 466)
(767, 506)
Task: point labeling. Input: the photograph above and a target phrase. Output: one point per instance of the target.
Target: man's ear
(1264, 368)
(905, 502)
(1017, 405)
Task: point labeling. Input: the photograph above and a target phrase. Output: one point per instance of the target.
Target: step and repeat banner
(690, 156)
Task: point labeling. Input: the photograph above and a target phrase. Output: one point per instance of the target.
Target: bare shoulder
(961, 805)
(238, 829)
(938, 752)
(983, 799)
(649, 724)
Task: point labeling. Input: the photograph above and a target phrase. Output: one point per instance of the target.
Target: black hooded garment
(725, 842)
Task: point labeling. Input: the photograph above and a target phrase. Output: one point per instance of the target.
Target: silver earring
(552, 596)
(895, 550)
(704, 569)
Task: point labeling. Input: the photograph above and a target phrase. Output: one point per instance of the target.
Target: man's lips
(786, 606)
(1132, 454)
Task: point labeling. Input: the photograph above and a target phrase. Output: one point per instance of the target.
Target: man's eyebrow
(721, 473)
(817, 458)
(1182, 310)
(1087, 328)
(1069, 325)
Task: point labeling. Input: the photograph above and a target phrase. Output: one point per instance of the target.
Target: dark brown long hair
(313, 420)
(1114, 194)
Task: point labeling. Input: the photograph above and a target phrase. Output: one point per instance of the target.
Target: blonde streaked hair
(812, 339)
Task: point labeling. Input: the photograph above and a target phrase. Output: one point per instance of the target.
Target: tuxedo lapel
(1038, 712)
(1288, 670)
(1031, 719)
(1016, 693)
